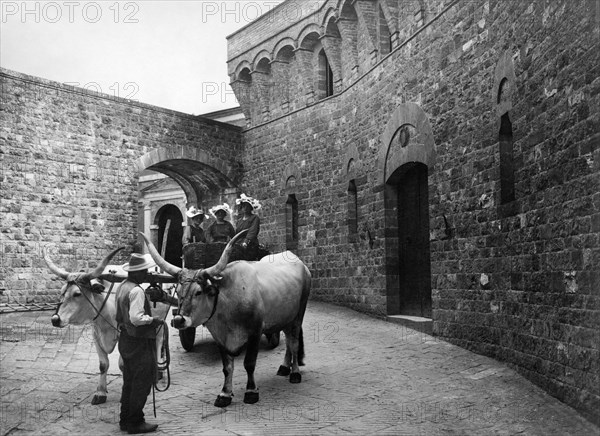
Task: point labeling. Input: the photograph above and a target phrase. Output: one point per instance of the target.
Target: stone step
(423, 325)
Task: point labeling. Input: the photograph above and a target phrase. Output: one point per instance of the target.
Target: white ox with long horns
(239, 301)
(80, 303)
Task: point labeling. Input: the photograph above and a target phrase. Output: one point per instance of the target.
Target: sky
(170, 54)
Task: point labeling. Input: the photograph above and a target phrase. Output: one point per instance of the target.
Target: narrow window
(329, 80)
(507, 170)
(385, 38)
(325, 76)
(352, 212)
(291, 222)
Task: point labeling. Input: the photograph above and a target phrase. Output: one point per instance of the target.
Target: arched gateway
(406, 158)
(205, 181)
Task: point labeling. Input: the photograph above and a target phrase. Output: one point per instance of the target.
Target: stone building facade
(438, 159)
(430, 159)
(75, 164)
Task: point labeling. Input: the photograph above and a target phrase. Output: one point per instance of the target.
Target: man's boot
(142, 427)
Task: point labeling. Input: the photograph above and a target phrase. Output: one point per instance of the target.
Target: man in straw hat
(136, 344)
(193, 232)
(220, 230)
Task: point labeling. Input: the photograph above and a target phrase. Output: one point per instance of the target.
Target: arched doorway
(406, 160)
(170, 232)
(407, 196)
(204, 179)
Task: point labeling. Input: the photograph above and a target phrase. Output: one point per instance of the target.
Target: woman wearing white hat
(248, 220)
(193, 232)
(220, 230)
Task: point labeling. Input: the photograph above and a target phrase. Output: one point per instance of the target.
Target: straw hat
(224, 207)
(192, 212)
(139, 262)
(251, 201)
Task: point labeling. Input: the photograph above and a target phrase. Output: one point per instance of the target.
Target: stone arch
(332, 44)
(290, 171)
(505, 82)
(418, 147)
(263, 66)
(260, 59)
(323, 71)
(243, 65)
(197, 172)
(282, 44)
(348, 26)
(309, 36)
(331, 14)
(352, 163)
(285, 53)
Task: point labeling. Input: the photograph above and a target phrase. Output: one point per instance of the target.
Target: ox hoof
(98, 399)
(295, 377)
(222, 401)
(283, 371)
(251, 397)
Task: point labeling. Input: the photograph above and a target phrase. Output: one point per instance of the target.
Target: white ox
(80, 304)
(239, 301)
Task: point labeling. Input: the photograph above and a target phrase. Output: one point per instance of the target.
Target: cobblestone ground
(362, 376)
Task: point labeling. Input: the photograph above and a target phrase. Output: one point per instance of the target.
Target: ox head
(198, 288)
(76, 295)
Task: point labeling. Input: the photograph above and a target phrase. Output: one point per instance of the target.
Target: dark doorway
(170, 222)
(408, 184)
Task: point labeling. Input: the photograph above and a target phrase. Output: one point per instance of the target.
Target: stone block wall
(517, 280)
(69, 176)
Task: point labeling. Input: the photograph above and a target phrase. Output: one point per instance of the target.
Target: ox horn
(62, 273)
(222, 263)
(100, 268)
(163, 264)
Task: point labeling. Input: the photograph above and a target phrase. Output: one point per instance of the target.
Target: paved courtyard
(362, 376)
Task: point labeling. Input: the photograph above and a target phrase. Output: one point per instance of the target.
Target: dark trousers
(251, 252)
(138, 376)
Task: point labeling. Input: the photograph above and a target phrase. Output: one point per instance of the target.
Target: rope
(105, 300)
(102, 316)
(164, 365)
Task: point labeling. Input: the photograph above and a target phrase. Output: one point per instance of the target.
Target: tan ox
(238, 302)
(81, 304)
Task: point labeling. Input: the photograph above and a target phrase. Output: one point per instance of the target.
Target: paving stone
(362, 381)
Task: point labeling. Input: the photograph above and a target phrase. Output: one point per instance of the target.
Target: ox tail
(300, 348)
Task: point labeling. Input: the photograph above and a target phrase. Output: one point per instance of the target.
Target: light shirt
(136, 307)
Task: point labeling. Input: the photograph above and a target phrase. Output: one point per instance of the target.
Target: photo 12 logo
(126, 90)
(70, 12)
(248, 11)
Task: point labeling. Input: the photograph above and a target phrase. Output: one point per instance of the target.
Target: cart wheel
(187, 338)
(273, 339)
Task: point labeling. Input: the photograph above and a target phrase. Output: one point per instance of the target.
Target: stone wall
(69, 175)
(516, 279)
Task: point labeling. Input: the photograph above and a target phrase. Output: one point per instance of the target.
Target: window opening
(325, 76)
(352, 211)
(507, 170)
(385, 38)
(291, 222)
